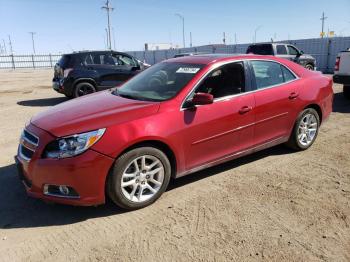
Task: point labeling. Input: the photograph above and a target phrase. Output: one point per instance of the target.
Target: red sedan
(175, 118)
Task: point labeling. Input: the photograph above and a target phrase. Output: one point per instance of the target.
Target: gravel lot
(275, 205)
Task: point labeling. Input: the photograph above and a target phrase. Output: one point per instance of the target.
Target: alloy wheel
(307, 129)
(142, 178)
(85, 90)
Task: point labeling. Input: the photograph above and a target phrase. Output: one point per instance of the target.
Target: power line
(108, 9)
(33, 33)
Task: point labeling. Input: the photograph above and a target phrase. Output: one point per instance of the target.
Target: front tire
(346, 91)
(138, 178)
(305, 130)
(310, 67)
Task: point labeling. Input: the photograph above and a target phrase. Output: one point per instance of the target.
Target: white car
(342, 71)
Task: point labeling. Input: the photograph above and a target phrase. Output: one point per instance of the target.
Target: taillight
(66, 72)
(337, 63)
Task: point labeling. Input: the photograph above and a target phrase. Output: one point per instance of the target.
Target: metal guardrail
(28, 61)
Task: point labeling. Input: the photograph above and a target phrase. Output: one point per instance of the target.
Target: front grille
(30, 137)
(28, 145)
(26, 152)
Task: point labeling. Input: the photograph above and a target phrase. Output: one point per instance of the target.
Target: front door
(219, 130)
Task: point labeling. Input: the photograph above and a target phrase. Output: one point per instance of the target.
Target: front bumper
(85, 173)
(341, 79)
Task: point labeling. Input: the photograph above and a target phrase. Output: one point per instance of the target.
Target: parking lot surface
(274, 205)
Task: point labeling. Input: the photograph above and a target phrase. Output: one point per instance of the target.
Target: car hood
(92, 112)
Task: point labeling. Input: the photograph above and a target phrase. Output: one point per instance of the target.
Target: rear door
(281, 51)
(104, 69)
(275, 97)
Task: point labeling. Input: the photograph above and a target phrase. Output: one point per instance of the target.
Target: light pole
(108, 8)
(33, 33)
(183, 28)
(256, 30)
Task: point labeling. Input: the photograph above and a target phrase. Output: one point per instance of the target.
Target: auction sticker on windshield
(188, 70)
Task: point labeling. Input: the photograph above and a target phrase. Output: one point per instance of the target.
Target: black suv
(286, 51)
(82, 73)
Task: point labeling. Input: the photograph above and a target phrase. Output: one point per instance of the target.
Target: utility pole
(10, 44)
(323, 18)
(3, 40)
(108, 9)
(107, 41)
(224, 39)
(183, 28)
(113, 38)
(190, 39)
(235, 39)
(33, 33)
(256, 30)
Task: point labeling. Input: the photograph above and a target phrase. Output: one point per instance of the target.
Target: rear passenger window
(281, 50)
(287, 75)
(267, 73)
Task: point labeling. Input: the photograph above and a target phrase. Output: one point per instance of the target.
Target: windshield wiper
(116, 92)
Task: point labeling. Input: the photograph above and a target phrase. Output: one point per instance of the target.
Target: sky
(66, 25)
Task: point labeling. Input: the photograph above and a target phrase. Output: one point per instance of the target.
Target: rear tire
(138, 178)
(83, 88)
(305, 130)
(346, 91)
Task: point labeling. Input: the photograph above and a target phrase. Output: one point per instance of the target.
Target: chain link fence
(28, 61)
(324, 50)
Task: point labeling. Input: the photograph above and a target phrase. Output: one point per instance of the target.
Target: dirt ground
(275, 205)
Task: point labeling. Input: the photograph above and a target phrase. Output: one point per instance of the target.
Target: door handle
(293, 95)
(245, 109)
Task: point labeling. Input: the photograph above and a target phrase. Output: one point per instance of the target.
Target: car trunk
(61, 65)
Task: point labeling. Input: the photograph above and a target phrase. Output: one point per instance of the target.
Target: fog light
(64, 190)
(60, 191)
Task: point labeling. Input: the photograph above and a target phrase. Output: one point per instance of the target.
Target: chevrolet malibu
(175, 118)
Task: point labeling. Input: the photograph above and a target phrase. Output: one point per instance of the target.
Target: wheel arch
(158, 144)
(317, 108)
(88, 80)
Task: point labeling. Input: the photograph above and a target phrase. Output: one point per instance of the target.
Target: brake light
(337, 63)
(66, 72)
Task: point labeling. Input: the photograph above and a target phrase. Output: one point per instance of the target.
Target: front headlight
(72, 145)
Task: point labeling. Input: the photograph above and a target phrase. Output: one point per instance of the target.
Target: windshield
(160, 82)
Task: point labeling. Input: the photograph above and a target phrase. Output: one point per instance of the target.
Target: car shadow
(17, 210)
(43, 101)
(340, 103)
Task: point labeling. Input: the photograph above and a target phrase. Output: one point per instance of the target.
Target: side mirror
(135, 68)
(202, 99)
(300, 53)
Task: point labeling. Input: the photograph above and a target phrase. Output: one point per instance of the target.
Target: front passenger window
(224, 81)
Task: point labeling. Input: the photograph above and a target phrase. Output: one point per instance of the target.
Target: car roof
(274, 43)
(93, 51)
(213, 58)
